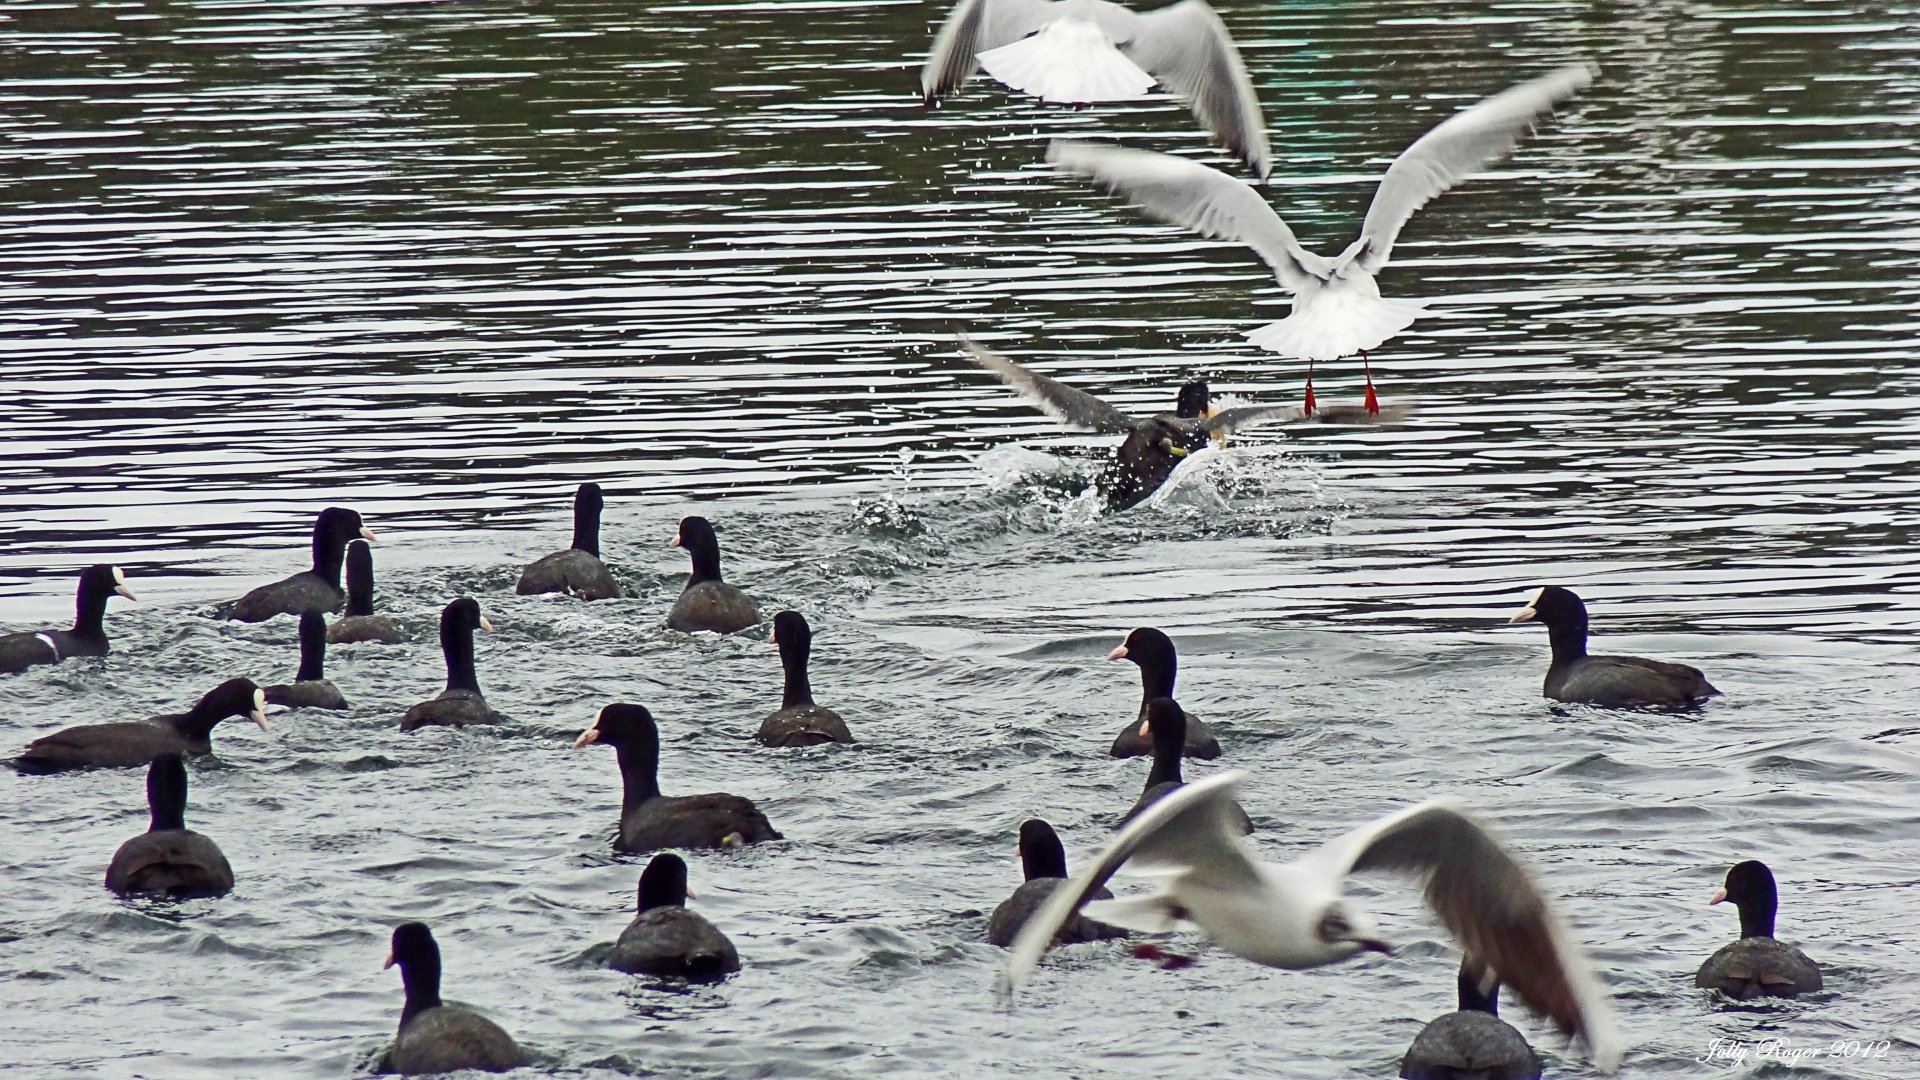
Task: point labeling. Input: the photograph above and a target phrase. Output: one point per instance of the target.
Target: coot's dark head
(1194, 399)
(1553, 606)
(664, 883)
(167, 792)
(1167, 723)
(696, 536)
(621, 724)
(463, 616)
(359, 578)
(588, 495)
(340, 525)
(1751, 888)
(1479, 989)
(586, 518)
(313, 646)
(792, 634)
(235, 697)
(102, 580)
(1153, 651)
(1041, 853)
(419, 958)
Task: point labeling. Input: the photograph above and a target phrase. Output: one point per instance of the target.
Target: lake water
(442, 262)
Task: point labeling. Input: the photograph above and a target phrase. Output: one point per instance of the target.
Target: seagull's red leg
(1309, 402)
(1373, 403)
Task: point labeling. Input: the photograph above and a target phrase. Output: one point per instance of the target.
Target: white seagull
(1337, 307)
(1081, 51)
(1293, 915)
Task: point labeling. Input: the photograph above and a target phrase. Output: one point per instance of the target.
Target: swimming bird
(707, 603)
(169, 859)
(359, 623)
(650, 820)
(1293, 915)
(316, 589)
(1757, 965)
(1043, 864)
(1604, 680)
(438, 1036)
(667, 939)
(1082, 51)
(133, 744)
(1153, 652)
(18, 652)
(461, 703)
(576, 571)
(1337, 307)
(1153, 446)
(799, 722)
(309, 688)
(1473, 1043)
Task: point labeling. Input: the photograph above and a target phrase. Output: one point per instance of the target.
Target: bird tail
(1151, 913)
(1338, 323)
(1068, 60)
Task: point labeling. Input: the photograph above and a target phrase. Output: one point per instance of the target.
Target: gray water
(442, 262)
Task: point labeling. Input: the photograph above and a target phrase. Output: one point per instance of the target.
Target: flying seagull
(1293, 915)
(1337, 307)
(1081, 51)
(1154, 445)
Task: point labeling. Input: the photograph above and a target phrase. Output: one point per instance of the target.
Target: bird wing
(1624, 679)
(1245, 416)
(974, 27)
(1461, 145)
(1188, 49)
(1493, 907)
(1193, 829)
(1189, 194)
(1058, 400)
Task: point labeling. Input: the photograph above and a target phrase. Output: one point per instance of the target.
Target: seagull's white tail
(1336, 323)
(1068, 60)
(1152, 913)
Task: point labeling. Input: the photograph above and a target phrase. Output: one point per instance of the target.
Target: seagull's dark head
(1350, 932)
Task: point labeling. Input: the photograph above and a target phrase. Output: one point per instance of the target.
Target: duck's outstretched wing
(1460, 146)
(1494, 908)
(1187, 48)
(1196, 828)
(974, 27)
(1076, 408)
(1189, 194)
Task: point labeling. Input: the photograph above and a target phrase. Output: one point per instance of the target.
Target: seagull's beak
(485, 625)
(1374, 945)
(591, 735)
(1146, 728)
(1717, 897)
(259, 714)
(124, 591)
(389, 963)
(366, 534)
(1118, 654)
(1525, 614)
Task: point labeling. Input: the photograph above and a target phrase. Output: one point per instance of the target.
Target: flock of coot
(1189, 838)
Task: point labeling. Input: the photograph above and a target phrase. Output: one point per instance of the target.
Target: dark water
(441, 262)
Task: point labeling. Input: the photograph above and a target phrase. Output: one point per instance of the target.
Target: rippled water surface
(441, 262)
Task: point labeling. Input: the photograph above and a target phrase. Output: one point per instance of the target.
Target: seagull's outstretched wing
(1058, 400)
(1245, 416)
(1463, 144)
(974, 27)
(1187, 193)
(1194, 828)
(1493, 907)
(1188, 49)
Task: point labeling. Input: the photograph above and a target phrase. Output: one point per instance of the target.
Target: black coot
(667, 939)
(309, 688)
(577, 570)
(799, 721)
(460, 703)
(440, 1036)
(707, 602)
(169, 859)
(360, 623)
(1153, 652)
(1757, 965)
(650, 820)
(316, 589)
(131, 745)
(1043, 862)
(1604, 680)
(88, 637)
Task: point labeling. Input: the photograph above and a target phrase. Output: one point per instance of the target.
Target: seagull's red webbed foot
(1373, 403)
(1147, 950)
